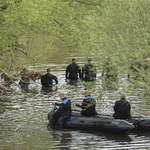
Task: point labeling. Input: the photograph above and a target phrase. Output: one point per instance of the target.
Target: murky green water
(23, 115)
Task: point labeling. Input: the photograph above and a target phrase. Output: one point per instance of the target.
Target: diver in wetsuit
(88, 105)
(89, 71)
(47, 79)
(122, 109)
(73, 71)
(63, 112)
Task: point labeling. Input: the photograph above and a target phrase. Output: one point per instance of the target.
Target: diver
(73, 71)
(89, 71)
(47, 79)
(25, 80)
(88, 105)
(63, 112)
(122, 108)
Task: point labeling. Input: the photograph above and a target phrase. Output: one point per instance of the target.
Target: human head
(62, 95)
(48, 69)
(86, 93)
(73, 60)
(122, 96)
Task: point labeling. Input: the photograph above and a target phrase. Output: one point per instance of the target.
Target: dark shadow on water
(142, 133)
(62, 138)
(111, 136)
(47, 91)
(72, 82)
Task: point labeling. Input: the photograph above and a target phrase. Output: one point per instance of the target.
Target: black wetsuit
(122, 109)
(63, 112)
(73, 72)
(47, 80)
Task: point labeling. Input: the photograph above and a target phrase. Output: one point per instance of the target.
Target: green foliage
(119, 29)
(22, 21)
(101, 28)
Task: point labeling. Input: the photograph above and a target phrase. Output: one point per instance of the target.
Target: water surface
(23, 114)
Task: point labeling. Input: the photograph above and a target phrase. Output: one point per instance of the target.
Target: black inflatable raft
(104, 123)
(140, 123)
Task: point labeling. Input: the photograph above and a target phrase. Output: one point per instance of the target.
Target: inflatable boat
(100, 123)
(140, 123)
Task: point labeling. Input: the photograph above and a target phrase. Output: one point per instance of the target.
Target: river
(23, 114)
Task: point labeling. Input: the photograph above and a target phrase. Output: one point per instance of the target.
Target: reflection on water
(23, 115)
(72, 82)
(68, 139)
(62, 140)
(49, 90)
